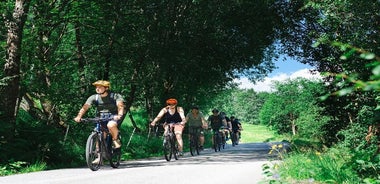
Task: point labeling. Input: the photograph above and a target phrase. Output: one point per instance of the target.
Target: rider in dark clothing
(216, 120)
(236, 125)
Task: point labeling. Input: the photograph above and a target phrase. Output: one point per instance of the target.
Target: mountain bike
(170, 143)
(217, 138)
(234, 137)
(194, 140)
(99, 145)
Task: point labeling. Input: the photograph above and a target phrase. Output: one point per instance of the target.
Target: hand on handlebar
(117, 117)
(77, 119)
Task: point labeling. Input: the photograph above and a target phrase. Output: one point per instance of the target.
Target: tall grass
(21, 167)
(331, 166)
(258, 133)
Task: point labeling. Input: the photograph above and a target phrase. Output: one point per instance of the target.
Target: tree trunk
(294, 127)
(9, 91)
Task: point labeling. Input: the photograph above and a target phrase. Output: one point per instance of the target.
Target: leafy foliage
(293, 109)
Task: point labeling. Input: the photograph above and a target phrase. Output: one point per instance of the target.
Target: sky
(288, 69)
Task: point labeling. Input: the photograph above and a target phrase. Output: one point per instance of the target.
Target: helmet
(195, 107)
(215, 110)
(102, 83)
(171, 101)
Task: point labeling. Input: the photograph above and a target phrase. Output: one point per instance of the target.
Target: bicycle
(217, 139)
(225, 132)
(234, 137)
(194, 140)
(99, 145)
(170, 144)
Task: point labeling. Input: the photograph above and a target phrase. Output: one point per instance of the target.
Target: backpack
(112, 96)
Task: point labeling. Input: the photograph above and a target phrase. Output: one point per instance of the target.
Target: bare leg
(112, 126)
(201, 140)
(180, 141)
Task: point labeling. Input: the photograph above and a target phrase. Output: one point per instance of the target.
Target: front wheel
(93, 151)
(175, 150)
(193, 145)
(167, 148)
(215, 142)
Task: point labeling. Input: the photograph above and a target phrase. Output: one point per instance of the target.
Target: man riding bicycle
(109, 105)
(196, 121)
(217, 121)
(236, 126)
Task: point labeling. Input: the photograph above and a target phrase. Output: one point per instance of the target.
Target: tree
(294, 108)
(10, 84)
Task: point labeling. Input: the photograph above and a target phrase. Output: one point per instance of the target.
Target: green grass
(327, 167)
(21, 167)
(258, 133)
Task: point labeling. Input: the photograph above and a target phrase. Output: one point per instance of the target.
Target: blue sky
(287, 69)
(288, 66)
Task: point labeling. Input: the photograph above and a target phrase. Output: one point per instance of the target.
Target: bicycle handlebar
(95, 120)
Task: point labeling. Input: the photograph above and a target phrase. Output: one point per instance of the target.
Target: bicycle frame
(194, 140)
(217, 139)
(99, 145)
(170, 143)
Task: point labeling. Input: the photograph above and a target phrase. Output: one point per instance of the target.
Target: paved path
(241, 164)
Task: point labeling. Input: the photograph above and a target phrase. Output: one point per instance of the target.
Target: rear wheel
(167, 148)
(93, 152)
(115, 155)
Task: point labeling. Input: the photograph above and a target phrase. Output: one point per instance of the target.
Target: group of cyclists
(195, 120)
(109, 104)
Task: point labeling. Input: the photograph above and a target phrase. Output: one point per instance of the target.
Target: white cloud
(266, 84)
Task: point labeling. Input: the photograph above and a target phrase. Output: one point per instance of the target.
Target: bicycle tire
(219, 141)
(215, 143)
(197, 147)
(233, 138)
(93, 151)
(175, 151)
(224, 142)
(192, 145)
(167, 148)
(115, 155)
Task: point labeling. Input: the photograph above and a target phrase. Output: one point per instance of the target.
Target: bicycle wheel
(196, 140)
(115, 155)
(167, 148)
(192, 145)
(215, 142)
(175, 151)
(224, 142)
(93, 152)
(233, 138)
(219, 141)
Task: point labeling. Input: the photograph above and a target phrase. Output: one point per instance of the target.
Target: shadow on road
(247, 152)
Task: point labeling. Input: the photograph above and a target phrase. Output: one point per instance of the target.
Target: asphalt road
(241, 164)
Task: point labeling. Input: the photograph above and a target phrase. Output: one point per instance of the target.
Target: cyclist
(196, 120)
(216, 121)
(236, 126)
(173, 115)
(228, 128)
(109, 105)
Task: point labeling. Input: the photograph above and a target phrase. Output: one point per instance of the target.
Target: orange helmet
(171, 101)
(102, 83)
